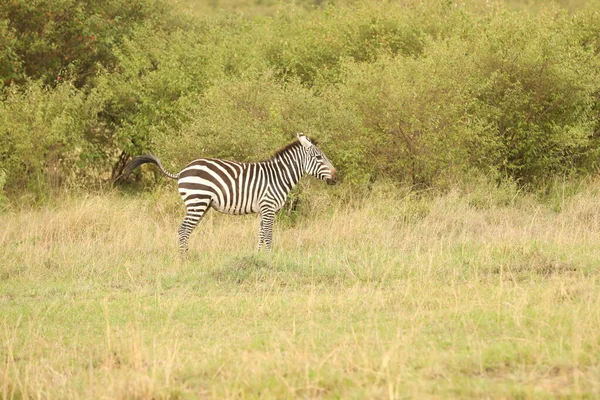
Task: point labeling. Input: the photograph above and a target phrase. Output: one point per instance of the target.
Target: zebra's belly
(236, 210)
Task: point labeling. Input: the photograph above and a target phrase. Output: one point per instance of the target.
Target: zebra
(243, 188)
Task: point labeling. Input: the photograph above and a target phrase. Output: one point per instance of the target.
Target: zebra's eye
(319, 157)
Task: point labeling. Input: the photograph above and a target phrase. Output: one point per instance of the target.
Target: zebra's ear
(303, 140)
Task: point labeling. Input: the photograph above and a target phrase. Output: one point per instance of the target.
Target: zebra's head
(316, 163)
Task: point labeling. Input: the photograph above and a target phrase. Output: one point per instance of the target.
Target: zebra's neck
(286, 166)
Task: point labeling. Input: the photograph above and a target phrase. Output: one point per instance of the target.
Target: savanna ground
(459, 287)
(482, 293)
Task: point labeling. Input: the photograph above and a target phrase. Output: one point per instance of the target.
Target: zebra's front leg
(267, 217)
(190, 221)
(261, 238)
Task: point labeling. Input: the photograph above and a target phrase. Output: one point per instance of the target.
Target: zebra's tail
(146, 158)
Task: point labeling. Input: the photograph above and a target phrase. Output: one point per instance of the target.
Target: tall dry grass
(484, 292)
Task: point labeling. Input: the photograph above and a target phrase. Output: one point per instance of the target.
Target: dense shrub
(411, 114)
(537, 95)
(46, 39)
(44, 136)
(417, 92)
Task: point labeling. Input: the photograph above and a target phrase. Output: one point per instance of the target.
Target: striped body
(243, 188)
(236, 188)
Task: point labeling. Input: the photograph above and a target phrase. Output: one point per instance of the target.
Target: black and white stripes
(243, 188)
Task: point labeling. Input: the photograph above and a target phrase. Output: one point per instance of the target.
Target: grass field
(485, 293)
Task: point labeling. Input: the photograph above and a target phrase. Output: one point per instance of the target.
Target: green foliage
(537, 95)
(247, 120)
(410, 112)
(423, 93)
(44, 133)
(160, 77)
(312, 47)
(48, 38)
(2, 184)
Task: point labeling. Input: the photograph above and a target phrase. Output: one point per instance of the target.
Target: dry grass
(488, 294)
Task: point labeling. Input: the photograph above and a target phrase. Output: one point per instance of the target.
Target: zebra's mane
(289, 146)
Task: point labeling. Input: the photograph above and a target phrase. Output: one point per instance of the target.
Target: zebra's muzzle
(333, 179)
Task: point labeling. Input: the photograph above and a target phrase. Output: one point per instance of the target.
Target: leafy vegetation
(422, 93)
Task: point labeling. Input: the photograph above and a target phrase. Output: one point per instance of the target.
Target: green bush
(158, 79)
(45, 39)
(410, 112)
(3, 199)
(425, 93)
(245, 120)
(43, 136)
(537, 94)
(312, 46)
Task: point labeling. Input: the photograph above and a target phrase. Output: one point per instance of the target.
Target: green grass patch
(464, 301)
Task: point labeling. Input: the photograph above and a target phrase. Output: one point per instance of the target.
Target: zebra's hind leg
(192, 217)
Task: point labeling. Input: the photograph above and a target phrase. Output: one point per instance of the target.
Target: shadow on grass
(245, 268)
(259, 268)
(523, 264)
